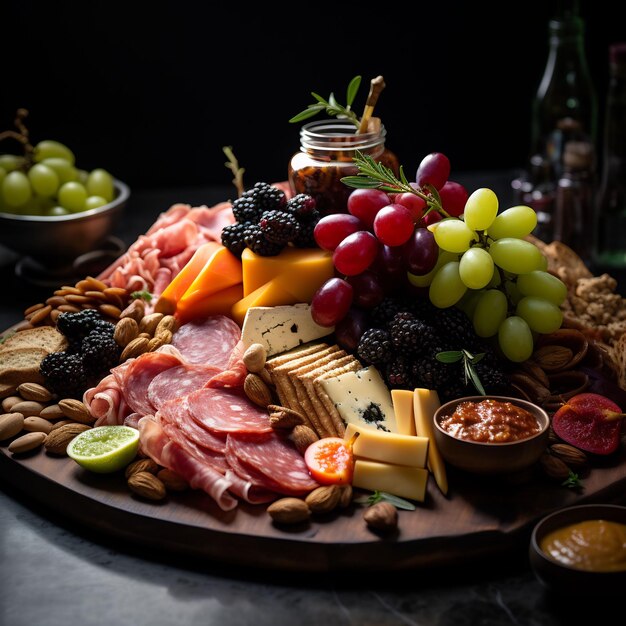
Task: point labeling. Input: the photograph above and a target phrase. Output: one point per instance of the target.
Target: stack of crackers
(297, 376)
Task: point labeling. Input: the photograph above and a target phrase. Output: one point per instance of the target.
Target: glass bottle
(565, 106)
(610, 218)
(327, 149)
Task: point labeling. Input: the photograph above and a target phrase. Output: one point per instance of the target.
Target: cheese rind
(406, 482)
(363, 399)
(426, 402)
(388, 447)
(281, 328)
(402, 400)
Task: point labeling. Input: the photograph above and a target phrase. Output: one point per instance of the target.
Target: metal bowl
(491, 458)
(60, 238)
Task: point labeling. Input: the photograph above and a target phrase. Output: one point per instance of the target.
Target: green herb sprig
(141, 295)
(572, 481)
(383, 496)
(233, 165)
(469, 360)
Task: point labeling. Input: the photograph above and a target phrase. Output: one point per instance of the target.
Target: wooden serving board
(479, 517)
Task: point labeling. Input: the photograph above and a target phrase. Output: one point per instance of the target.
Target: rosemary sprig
(572, 481)
(332, 106)
(233, 165)
(141, 295)
(383, 496)
(469, 360)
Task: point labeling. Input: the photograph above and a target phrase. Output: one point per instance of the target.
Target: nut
(569, 454)
(39, 316)
(141, 465)
(172, 480)
(126, 330)
(553, 466)
(324, 499)
(10, 402)
(283, 418)
(58, 438)
(28, 408)
(302, 437)
(147, 486)
(34, 391)
(168, 323)
(76, 410)
(552, 357)
(135, 348)
(159, 340)
(289, 511)
(381, 516)
(10, 425)
(136, 309)
(60, 423)
(254, 358)
(27, 442)
(34, 424)
(149, 323)
(110, 310)
(346, 496)
(52, 412)
(257, 391)
(532, 388)
(266, 377)
(534, 371)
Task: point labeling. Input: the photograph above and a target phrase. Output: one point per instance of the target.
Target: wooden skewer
(376, 86)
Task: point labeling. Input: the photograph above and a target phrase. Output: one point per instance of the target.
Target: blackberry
(303, 207)
(279, 227)
(493, 380)
(256, 241)
(375, 346)
(99, 353)
(267, 197)
(77, 325)
(447, 378)
(104, 328)
(64, 374)
(410, 336)
(383, 313)
(305, 238)
(233, 237)
(246, 209)
(458, 330)
(399, 375)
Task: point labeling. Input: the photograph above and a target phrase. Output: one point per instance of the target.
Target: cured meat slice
(139, 375)
(249, 492)
(161, 449)
(235, 373)
(275, 458)
(177, 382)
(209, 341)
(227, 411)
(177, 412)
(214, 459)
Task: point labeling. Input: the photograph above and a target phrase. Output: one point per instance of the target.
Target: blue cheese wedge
(281, 328)
(362, 399)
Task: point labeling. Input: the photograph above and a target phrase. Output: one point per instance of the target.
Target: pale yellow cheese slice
(406, 482)
(378, 445)
(425, 403)
(402, 400)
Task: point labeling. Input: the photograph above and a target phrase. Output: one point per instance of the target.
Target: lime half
(105, 449)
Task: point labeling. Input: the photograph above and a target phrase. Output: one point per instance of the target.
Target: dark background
(153, 93)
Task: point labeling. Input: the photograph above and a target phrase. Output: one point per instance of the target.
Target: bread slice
(45, 337)
(21, 365)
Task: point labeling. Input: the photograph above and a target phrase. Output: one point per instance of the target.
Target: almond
(346, 496)
(168, 323)
(10, 425)
(254, 358)
(149, 323)
(533, 389)
(58, 438)
(135, 348)
(569, 454)
(289, 511)
(76, 410)
(147, 486)
(61, 423)
(10, 402)
(283, 418)
(126, 330)
(257, 391)
(381, 516)
(34, 391)
(159, 340)
(302, 437)
(136, 310)
(28, 408)
(552, 357)
(141, 465)
(172, 480)
(27, 442)
(553, 466)
(34, 424)
(52, 412)
(324, 499)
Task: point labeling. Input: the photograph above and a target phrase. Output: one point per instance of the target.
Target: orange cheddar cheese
(272, 293)
(168, 300)
(218, 303)
(302, 271)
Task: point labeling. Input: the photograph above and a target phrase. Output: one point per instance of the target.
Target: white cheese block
(387, 447)
(363, 399)
(406, 482)
(403, 408)
(280, 328)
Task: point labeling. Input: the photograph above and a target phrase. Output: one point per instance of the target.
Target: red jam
(490, 421)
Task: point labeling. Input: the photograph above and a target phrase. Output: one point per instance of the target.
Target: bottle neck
(337, 140)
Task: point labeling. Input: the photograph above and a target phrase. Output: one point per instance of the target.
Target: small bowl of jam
(581, 548)
(491, 434)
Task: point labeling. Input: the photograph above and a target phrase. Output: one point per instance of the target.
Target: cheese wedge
(378, 445)
(406, 482)
(219, 303)
(269, 294)
(426, 402)
(402, 400)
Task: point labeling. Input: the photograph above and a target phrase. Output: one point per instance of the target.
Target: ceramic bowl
(491, 458)
(57, 239)
(563, 578)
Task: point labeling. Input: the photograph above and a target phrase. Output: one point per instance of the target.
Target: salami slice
(139, 375)
(277, 459)
(177, 382)
(177, 412)
(209, 341)
(214, 459)
(227, 411)
(236, 371)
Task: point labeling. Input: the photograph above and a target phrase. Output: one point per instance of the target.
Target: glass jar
(327, 149)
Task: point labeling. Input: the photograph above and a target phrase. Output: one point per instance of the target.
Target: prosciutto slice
(161, 449)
